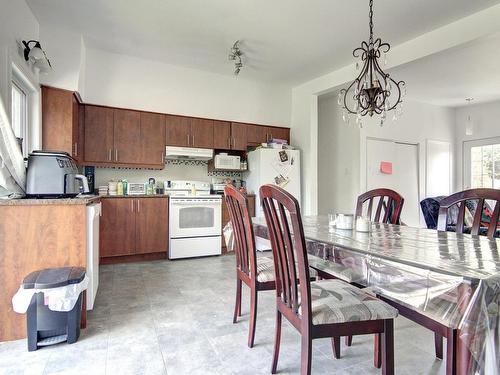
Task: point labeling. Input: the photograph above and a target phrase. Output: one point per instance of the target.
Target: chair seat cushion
(335, 301)
(265, 270)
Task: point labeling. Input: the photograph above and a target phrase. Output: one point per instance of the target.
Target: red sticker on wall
(386, 167)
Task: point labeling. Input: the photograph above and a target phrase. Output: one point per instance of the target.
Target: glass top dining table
(450, 278)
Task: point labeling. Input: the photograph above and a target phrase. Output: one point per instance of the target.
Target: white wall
(342, 147)
(131, 82)
(486, 119)
(338, 159)
(17, 23)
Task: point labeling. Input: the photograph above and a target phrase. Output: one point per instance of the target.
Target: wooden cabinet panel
(117, 227)
(57, 120)
(279, 133)
(202, 133)
(222, 135)
(256, 134)
(177, 131)
(151, 226)
(239, 136)
(98, 134)
(127, 137)
(152, 138)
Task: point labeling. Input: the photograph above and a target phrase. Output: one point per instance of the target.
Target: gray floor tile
(175, 318)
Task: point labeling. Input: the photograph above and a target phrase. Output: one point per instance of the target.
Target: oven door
(195, 217)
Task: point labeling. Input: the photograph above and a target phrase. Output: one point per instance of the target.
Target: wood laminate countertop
(50, 201)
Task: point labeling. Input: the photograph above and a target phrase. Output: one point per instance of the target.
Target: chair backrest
(242, 230)
(286, 234)
(389, 201)
(460, 199)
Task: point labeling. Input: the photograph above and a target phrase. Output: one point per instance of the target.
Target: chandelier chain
(371, 22)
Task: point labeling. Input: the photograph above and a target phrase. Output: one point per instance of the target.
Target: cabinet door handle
(132, 205)
(193, 140)
(116, 154)
(76, 148)
(229, 142)
(109, 154)
(162, 158)
(138, 205)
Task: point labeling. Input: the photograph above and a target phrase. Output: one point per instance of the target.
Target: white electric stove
(194, 219)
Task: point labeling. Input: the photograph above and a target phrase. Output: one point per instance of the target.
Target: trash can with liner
(52, 299)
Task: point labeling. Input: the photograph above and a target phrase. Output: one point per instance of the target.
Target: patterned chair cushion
(335, 301)
(265, 270)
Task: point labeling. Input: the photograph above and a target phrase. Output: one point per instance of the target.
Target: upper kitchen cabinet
(177, 131)
(152, 139)
(99, 147)
(239, 136)
(123, 137)
(257, 134)
(222, 135)
(279, 133)
(202, 133)
(60, 121)
(126, 137)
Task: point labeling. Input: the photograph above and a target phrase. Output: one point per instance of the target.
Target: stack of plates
(112, 188)
(103, 190)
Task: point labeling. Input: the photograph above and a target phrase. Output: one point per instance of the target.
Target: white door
(404, 176)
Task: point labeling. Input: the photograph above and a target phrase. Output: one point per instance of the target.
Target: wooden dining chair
(256, 272)
(482, 224)
(330, 308)
(389, 202)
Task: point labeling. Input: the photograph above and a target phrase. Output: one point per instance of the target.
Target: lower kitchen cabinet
(133, 227)
(151, 226)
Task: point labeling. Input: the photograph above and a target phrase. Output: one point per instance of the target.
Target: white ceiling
(288, 41)
(447, 78)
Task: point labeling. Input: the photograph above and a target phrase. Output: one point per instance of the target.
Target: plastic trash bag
(58, 299)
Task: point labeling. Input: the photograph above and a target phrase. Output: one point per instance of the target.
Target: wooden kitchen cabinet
(152, 139)
(98, 134)
(279, 133)
(257, 134)
(239, 136)
(117, 227)
(151, 225)
(177, 131)
(133, 229)
(126, 137)
(202, 133)
(60, 121)
(222, 135)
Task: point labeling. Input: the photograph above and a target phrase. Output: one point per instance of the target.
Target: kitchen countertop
(135, 196)
(49, 201)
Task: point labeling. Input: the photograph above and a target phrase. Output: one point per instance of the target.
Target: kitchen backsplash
(174, 170)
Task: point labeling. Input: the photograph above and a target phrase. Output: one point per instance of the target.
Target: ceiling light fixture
(37, 56)
(235, 55)
(372, 89)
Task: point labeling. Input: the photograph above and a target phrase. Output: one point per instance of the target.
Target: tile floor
(175, 318)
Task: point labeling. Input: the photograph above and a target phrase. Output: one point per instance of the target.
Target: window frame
(467, 165)
(24, 128)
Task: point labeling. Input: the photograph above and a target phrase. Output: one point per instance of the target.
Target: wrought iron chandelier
(373, 89)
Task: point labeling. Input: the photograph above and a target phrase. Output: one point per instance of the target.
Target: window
(23, 109)
(485, 166)
(19, 111)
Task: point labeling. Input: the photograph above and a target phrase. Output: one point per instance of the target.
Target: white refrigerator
(273, 166)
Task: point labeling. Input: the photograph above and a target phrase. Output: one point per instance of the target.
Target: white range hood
(188, 153)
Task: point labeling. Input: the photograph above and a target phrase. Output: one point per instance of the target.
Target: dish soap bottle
(193, 189)
(119, 188)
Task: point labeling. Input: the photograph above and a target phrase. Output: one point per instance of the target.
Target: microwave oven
(222, 161)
